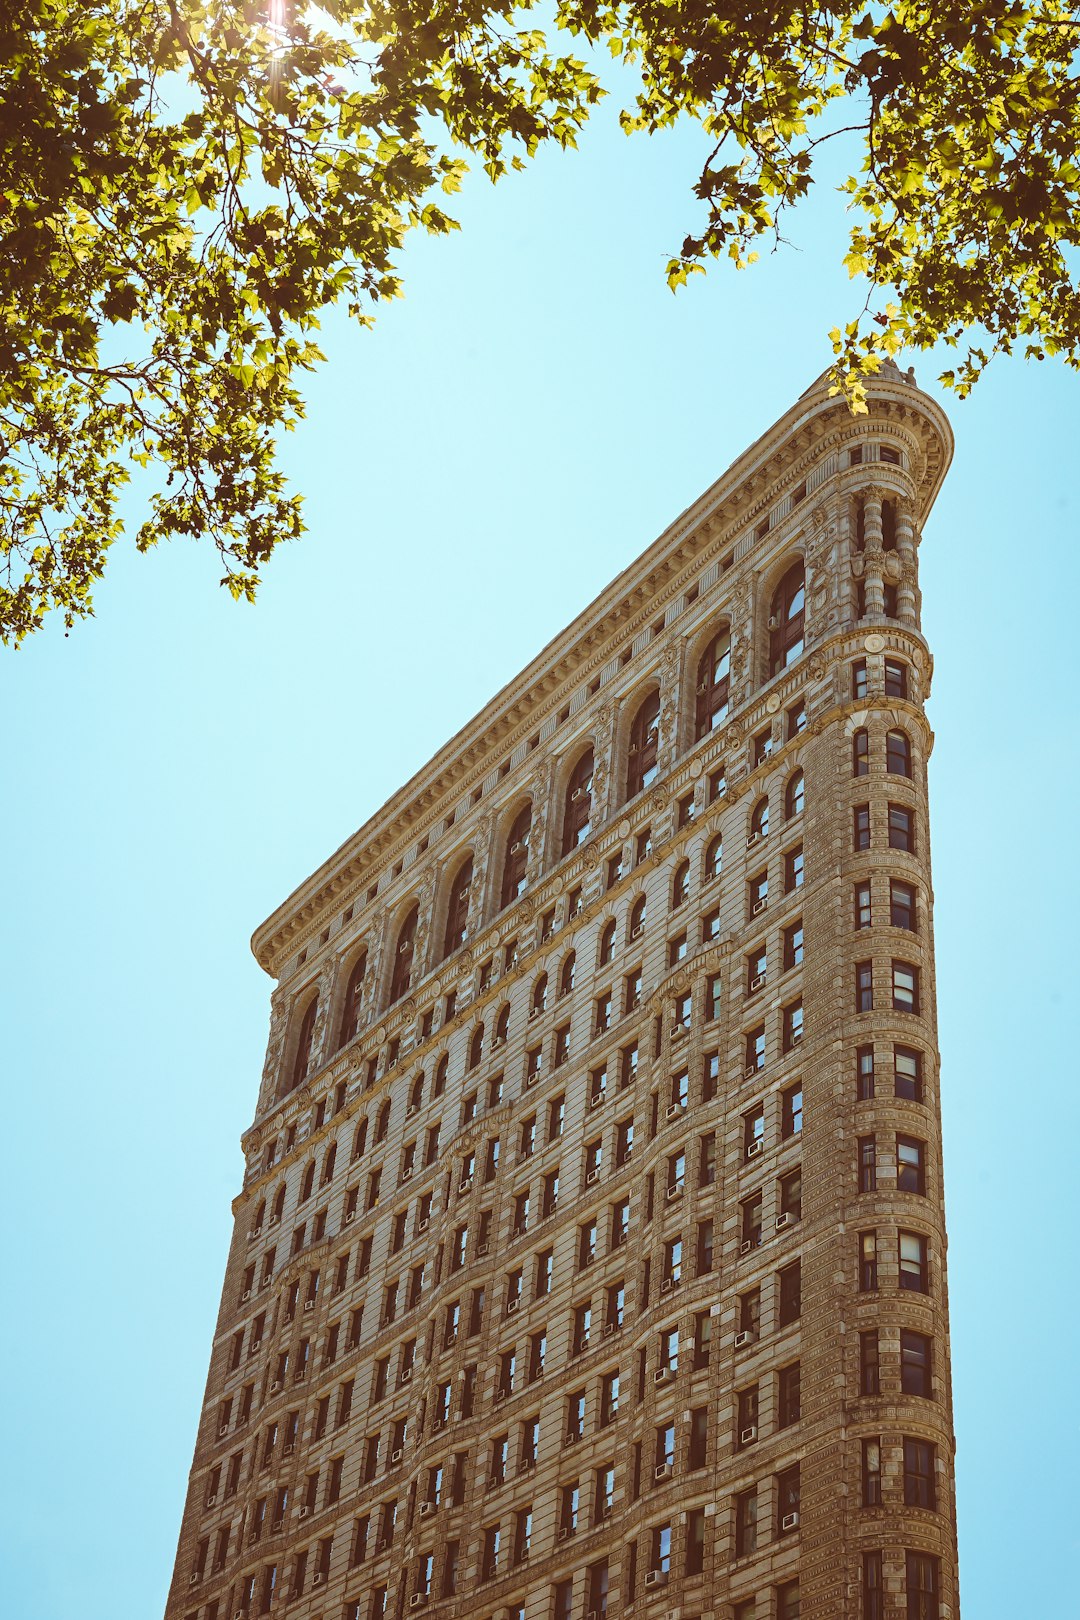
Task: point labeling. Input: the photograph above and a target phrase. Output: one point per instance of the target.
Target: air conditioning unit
(790, 1521)
(656, 1578)
(578, 793)
(303, 1513)
(223, 1427)
(753, 839)
(743, 1337)
(288, 1449)
(679, 1029)
(530, 1080)
(597, 1099)
(275, 1387)
(583, 1345)
(437, 1424)
(673, 1110)
(758, 907)
(609, 1328)
(663, 1375)
(637, 931)
(406, 1175)
(422, 1225)
(516, 846)
(750, 1071)
(396, 1456)
(318, 1578)
(267, 1280)
(482, 1248)
(405, 1375)
(273, 1221)
(465, 1185)
(428, 1509)
(256, 1346)
(755, 1147)
(525, 1464)
(663, 1471)
(500, 1396)
(563, 1535)
(309, 1304)
(493, 1482)
(211, 1501)
(746, 1436)
(757, 981)
(245, 1296)
(668, 1284)
(194, 1578)
(591, 1176)
(276, 1525)
(572, 1438)
(675, 1191)
(782, 1221)
(512, 1305)
(497, 1041)
(534, 1012)
(413, 1108)
(745, 1246)
(350, 1216)
(418, 1600)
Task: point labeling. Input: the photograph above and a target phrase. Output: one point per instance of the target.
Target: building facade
(590, 1256)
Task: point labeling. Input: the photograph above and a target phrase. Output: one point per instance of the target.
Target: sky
(513, 432)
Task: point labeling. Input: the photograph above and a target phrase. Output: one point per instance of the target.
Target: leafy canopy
(185, 186)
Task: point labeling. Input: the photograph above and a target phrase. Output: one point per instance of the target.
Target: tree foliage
(185, 186)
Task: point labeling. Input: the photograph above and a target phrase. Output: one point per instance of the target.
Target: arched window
(787, 619)
(759, 821)
(680, 885)
(502, 1025)
(637, 917)
(441, 1072)
(566, 974)
(517, 856)
(860, 752)
(329, 1163)
(713, 680)
(401, 977)
(607, 942)
(539, 995)
(279, 1205)
(382, 1123)
(260, 1216)
(457, 910)
(714, 859)
(476, 1046)
(416, 1093)
(354, 993)
(644, 738)
(302, 1060)
(360, 1139)
(795, 796)
(577, 820)
(898, 753)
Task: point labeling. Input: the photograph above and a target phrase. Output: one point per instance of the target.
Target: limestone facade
(590, 1255)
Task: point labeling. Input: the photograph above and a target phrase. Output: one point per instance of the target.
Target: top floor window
(577, 818)
(354, 991)
(713, 680)
(401, 977)
(457, 911)
(644, 741)
(302, 1060)
(787, 619)
(517, 856)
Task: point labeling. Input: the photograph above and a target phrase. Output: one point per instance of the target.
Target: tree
(187, 185)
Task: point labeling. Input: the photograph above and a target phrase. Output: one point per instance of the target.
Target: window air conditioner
(675, 1191)
(663, 1471)
(245, 1296)
(211, 1501)
(745, 1246)
(578, 793)
(422, 1226)
(500, 1396)
(304, 1512)
(405, 1375)
(318, 1578)
(753, 839)
(757, 981)
(512, 1305)
(667, 1285)
(591, 1177)
(482, 1249)
(743, 1337)
(782, 1221)
(515, 847)
(564, 1534)
(656, 1577)
(758, 907)
(790, 1521)
(747, 1435)
(755, 1147)
(427, 1509)
(750, 1071)
(572, 1438)
(466, 1185)
(411, 1110)
(406, 1175)
(663, 1375)
(609, 1328)
(350, 1216)
(275, 1386)
(309, 1304)
(193, 1578)
(256, 1346)
(288, 1449)
(637, 930)
(396, 1456)
(418, 1600)
(274, 1219)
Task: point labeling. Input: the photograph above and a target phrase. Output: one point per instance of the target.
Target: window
(755, 1050)
(792, 1025)
(923, 1586)
(873, 1601)
(871, 1472)
(910, 1165)
(763, 746)
(864, 1057)
(607, 943)
(562, 1046)
(677, 948)
(620, 1223)
(860, 752)
(919, 1483)
(746, 1523)
(867, 1164)
(901, 828)
(609, 1398)
(898, 753)
(717, 784)
(795, 721)
(602, 1014)
(516, 859)
(750, 1312)
(905, 987)
(793, 945)
(759, 821)
(644, 740)
(354, 991)
(869, 1367)
(795, 796)
(686, 810)
(457, 910)
(788, 1492)
(756, 970)
(401, 975)
(746, 1417)
(787, 1601)
(896, 682)
(863, 908)
(577, 816)
(791, 1105)
(914, 1254)
(791, 1195)
(793, 869)
(757, 893)
(751, 1222)
(859, 687)
(789, 1395)
(562, 1606)
(861, 820)
(864, 987)
(790, 1300)
(907, 1074)
(636, 923)
(711, 693)
(868, 1275)
(787, 619)
(714, 858)
(902, 905)
(302, 1060)
(680, 887)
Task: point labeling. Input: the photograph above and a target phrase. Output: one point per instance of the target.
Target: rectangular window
(902, 903)
(915, 1369)
(864, 987)
(871, 1472)
(713, 1005)
(788, 1493)
(790, 1301)
(914, 1262)
(868, 1274)
(864, 917)
(905, 987)
(919, 1468)
(873, 1600)
(756, 970)
(793, 945)
(787, 1601)
(746, 1523)
(867, 1164)
(792, 1025)
(869, 1368)
(861, 826)
(790, 1196)
(923, 1586)
(793, 869)
(751, 1222)
(789, 1395)
(859, 686)
(910, 1165)
(895, 678)
(907, 1074)
(901, 828)
(791, 1104)
(865, 1069)
(746, 1417)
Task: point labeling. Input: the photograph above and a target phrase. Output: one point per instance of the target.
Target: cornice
(722, 517)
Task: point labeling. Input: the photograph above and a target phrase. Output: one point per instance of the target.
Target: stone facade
(590, 1257)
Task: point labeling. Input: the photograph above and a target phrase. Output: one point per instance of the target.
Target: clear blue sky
(515, 430)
